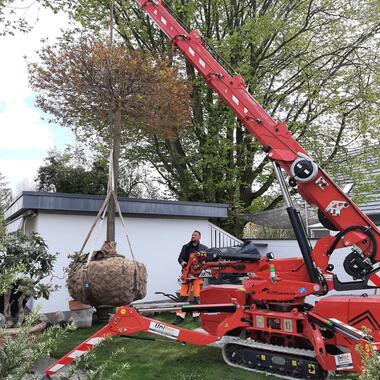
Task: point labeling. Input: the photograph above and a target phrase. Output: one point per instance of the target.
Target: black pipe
(222, 308)
(303, 243)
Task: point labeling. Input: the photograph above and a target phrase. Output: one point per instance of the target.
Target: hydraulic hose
(363, 229)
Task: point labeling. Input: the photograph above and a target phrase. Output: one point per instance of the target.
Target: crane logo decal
(335, 207)
(321, 183)
(164, 330)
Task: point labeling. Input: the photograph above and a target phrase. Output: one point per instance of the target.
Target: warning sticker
(343, 361)
(164, 330)
(205, 274)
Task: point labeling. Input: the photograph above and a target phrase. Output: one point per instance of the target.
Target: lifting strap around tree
(111, 195)
(103, 209)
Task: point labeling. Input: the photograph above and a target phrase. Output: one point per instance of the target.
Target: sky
(24, 137)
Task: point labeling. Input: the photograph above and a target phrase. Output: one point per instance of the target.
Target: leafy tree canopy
(14, 15)
(84, 82)
(81, 170)
(107, 88)
(311, 63)
(61, 173)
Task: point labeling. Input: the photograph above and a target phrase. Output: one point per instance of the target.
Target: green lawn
(161, 358)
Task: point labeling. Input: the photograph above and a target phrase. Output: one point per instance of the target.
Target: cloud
(17, 171)
(21, 127)
(13, 71)
(22, 131)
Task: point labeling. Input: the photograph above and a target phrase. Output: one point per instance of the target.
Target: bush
(24, 262)
(103, 368)
(370, 359)
(18, 354)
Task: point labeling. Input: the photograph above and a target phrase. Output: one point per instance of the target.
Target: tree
(310, 63)
(106, 88)
(76, 170)
(13, 15)
(61, 173)
(5, 193)
(80, 83)
(5, 199)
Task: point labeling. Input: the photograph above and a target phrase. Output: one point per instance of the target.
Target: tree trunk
(21, 311)
(7, 309)
(111, 211)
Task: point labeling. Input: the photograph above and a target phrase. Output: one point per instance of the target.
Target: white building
(157, 230)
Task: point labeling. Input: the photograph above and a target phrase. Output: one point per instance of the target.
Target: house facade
(157, 230)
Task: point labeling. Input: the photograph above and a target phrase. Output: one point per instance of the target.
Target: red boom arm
(313, 183)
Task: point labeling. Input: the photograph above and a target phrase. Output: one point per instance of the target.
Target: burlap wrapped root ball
(113, 281)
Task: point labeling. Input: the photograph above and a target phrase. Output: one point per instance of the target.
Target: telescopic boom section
(313, 183)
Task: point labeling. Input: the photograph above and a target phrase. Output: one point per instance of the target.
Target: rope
(123, 223)
(117, 205)
(111, 184)
(103, 209)
(98, 216)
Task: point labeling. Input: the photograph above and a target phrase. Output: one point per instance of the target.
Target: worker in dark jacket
(193, 245)
(195, 285)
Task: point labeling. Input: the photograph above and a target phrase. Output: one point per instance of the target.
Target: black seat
(245, 252)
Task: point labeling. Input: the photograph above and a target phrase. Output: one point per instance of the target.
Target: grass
(159, 359)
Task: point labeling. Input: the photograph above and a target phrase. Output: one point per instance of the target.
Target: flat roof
(371, 207)
(90, 204)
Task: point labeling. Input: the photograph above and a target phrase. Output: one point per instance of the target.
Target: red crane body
(263, 324)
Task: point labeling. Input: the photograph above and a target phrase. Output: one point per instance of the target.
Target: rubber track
(270, 349)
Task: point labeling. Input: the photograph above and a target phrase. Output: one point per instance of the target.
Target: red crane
(264, 323)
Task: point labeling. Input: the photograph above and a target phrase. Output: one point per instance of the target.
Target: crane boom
(263, 323)
(275, 136)
(313, 184)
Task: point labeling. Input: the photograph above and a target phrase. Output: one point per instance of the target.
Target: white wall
(155, 241)
(281, 248)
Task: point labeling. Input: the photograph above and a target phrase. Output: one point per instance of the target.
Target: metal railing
(220, 238)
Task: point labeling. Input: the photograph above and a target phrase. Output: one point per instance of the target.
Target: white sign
(164, 330)
(205, 274)
(343, 361)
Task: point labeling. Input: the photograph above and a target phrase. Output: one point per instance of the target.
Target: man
(194, 285)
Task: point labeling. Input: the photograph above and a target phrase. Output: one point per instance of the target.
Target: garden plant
(24, 262)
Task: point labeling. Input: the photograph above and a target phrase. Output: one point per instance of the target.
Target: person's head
(196, 237)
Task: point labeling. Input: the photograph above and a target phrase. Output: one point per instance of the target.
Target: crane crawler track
(283, 362)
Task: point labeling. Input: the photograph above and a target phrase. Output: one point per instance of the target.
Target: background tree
(9, 20)
(100, 88)
(63, 173)
(310, 63)
(14, 15)
(78, 170)
(5, 199)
